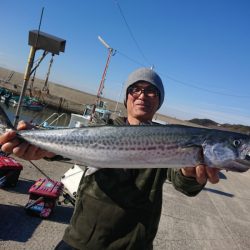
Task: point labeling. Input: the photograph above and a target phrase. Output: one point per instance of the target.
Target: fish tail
(5, 122)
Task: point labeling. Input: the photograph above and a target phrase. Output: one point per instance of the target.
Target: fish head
(229, 151)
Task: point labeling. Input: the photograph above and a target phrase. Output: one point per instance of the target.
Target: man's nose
(142, 94)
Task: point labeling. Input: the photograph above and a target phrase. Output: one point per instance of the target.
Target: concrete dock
(218, 218)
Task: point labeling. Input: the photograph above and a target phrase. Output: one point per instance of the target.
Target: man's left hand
(202, 174)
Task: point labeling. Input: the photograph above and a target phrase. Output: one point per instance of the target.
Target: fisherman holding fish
(121, 208)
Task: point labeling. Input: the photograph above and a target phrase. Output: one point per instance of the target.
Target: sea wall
(58, 96)
(64, 98)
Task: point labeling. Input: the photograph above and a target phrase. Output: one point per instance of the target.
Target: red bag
(9, 171)
(44, 194)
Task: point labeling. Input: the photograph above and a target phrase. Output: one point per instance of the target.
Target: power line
(205, 89)
(130, 32)
(131, 59)
(167, 76)
(186, 83)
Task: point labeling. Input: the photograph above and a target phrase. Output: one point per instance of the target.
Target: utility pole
(111, 52)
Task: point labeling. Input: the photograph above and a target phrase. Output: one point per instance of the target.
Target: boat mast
(111, 52)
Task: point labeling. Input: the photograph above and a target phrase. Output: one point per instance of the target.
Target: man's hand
(12, 145)
(202, 173)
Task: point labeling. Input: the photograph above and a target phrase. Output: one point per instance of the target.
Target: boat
(33, 104)
(10, 99)
(101, 115)
(14, 100)
(6, 95)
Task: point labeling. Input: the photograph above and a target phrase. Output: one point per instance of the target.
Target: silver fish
(149, 146)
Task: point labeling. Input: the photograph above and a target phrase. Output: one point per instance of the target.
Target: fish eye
(236, 143)
(247, 157)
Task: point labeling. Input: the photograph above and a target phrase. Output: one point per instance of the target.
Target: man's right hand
(11, 144)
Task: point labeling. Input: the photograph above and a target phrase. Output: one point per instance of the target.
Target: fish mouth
(239, 165)
(245, 162)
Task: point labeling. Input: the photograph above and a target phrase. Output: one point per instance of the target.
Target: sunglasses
(137, 91)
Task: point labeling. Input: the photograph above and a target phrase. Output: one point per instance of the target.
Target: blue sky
(200, 48)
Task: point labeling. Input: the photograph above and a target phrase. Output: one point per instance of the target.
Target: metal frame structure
(38, 41)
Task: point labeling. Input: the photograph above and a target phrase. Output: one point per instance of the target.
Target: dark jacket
(120, 208)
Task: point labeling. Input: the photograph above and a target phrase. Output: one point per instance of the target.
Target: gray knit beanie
(146, 75)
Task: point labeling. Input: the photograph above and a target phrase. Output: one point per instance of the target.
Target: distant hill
(204, 122)
(212, 124)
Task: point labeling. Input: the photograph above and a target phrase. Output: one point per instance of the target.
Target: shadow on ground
(218, 192)
(222, 176)
(17, 225)
(22, 187)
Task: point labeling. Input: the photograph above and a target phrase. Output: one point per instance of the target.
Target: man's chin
(143, 108)
(142, 112)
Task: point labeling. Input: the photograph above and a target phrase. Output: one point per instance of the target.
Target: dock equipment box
(9, 171)
(71, 180)
(44, 194)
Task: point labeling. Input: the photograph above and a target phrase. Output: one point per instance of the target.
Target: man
(121, 208)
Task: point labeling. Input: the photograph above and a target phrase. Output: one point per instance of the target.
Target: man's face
(142, 101)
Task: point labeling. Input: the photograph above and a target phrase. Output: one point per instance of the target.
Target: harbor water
(37, 117)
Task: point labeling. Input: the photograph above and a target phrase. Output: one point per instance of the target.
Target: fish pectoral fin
(195, 152)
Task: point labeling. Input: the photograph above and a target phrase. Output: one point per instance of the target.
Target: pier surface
(218, 218)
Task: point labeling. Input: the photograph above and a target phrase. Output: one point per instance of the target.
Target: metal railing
(55, 117)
